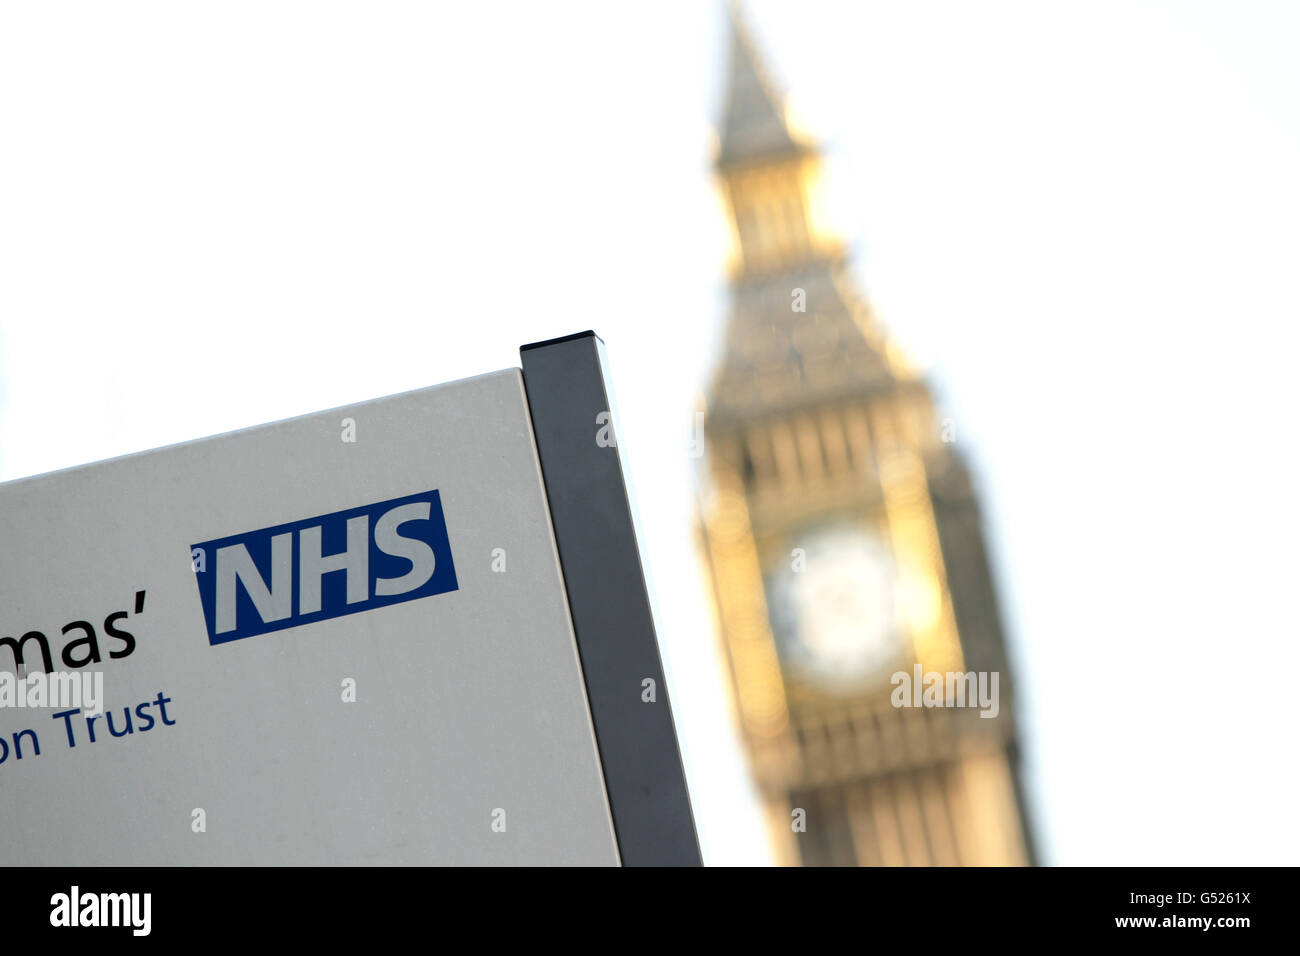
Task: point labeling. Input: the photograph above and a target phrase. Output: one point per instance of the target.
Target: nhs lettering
(323, 567)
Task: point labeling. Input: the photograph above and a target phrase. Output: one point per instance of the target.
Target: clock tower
(844, 543)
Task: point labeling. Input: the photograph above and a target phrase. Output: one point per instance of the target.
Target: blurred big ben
(844, 543)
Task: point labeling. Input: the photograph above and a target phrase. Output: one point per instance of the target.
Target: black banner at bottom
(941, 905)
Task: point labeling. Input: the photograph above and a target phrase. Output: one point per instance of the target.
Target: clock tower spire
(797, 332)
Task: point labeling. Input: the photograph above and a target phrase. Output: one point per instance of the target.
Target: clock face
(833, 608)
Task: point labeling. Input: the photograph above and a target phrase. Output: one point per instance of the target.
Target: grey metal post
(594, 531)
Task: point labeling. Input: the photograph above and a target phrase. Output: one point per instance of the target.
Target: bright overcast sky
(1082, 218)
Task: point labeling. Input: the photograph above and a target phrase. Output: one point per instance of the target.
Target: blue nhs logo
(323, 567)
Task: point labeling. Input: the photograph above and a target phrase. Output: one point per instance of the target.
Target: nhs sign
(498, 721)
(323, 567)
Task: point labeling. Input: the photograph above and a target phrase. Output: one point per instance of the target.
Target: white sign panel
(340, 639)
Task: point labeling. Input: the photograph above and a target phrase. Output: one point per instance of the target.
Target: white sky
(1083, 218)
